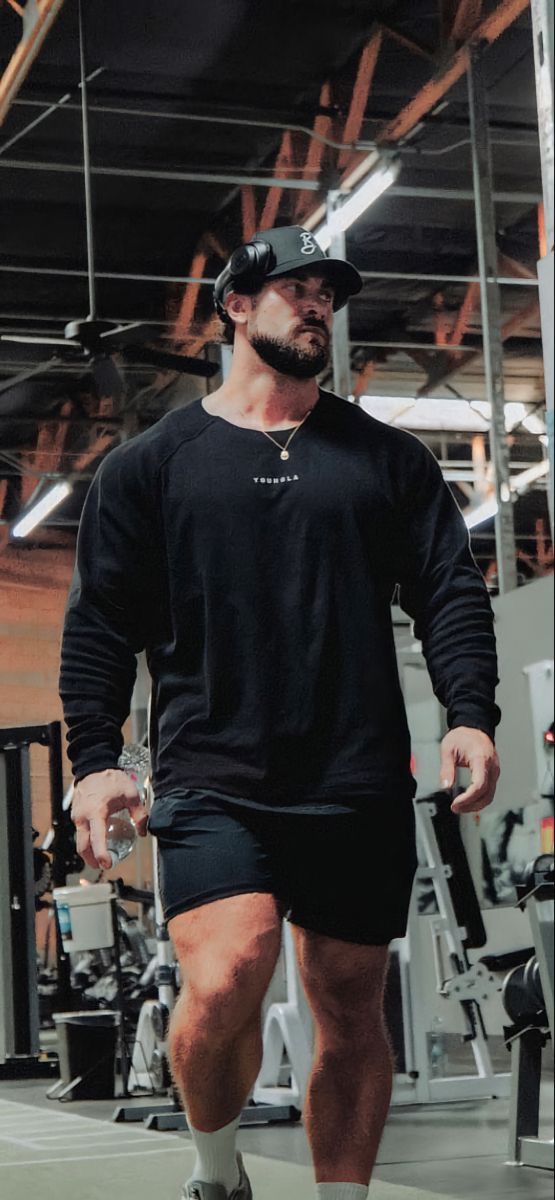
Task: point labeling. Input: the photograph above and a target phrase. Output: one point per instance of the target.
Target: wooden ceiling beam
(441, 323)
(361, 92)
(284, 162)
(443, 365)
(213, 243)
(459, 18)
(520, 320)
(510, 266)
(323, 128)
(38, 19)
(408, 43)
(448, 74)
(467, 16)
(542, 232)
(102, 443)
(364, 376)
(47, 456)
(182, 327)
(468, 307)
(488, 30)
(248, 212)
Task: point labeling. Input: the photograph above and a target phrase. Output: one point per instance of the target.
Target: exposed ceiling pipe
(219, 177)
(499, 136)
(394, 276)
(201, 118)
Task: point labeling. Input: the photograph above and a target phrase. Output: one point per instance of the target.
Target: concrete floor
(444, 1152)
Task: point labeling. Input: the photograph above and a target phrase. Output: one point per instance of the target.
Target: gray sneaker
(215, 1191)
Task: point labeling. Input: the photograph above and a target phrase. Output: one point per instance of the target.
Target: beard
(289, 359)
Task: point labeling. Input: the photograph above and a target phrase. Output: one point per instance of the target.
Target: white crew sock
(217, 1156)
(341, 1191)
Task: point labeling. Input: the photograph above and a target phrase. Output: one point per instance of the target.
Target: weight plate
(515, 996)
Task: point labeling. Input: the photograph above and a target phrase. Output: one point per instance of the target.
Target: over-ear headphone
(245, 272)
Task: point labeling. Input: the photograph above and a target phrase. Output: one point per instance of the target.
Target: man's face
(290, 322)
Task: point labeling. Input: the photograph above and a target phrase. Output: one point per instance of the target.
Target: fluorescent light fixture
(515, 414)
(534, 424)
(520, 414)
(323, 237)
(425, 413)
(43, 507)
(445, 414)
(519, 484)
(368, 191)
(484, 512)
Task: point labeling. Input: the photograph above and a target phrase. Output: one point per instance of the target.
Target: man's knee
(346, 987)
(352, 1032)
(223, 993)
(240, 979)
(346, 1024)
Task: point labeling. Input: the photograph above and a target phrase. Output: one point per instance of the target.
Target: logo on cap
(309, 246)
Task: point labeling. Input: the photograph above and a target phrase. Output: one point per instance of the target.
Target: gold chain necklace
(284, 455)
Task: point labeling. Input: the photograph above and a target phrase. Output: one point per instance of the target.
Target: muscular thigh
(230, 942)
(219, 891)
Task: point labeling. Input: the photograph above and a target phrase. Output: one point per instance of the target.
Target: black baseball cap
(290, 249)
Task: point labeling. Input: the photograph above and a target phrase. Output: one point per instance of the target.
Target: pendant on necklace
(284, 455)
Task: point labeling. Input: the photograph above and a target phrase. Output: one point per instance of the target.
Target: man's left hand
(464, 747)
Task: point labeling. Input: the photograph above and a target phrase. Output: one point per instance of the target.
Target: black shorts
(348, 875)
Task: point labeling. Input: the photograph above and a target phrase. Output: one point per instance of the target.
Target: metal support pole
(491, 319)
(543, 19)
(547, 306)
(63, 837)
(87, 165)
(123, 1048)
(543, 25)
(341, 353)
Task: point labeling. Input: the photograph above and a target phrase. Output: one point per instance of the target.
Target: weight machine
(528, 999)
(19, 1005)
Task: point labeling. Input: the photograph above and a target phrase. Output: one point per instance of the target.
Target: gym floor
(444, 1152)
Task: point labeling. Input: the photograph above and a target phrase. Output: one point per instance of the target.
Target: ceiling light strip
(41, 509)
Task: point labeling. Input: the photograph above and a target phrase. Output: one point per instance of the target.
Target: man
(252, 543)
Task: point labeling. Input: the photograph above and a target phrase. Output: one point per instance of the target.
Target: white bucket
(85, 916)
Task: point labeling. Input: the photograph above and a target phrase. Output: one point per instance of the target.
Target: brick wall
(31, 617)
(33, 591)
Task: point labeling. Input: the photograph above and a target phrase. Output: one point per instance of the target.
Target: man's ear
(238, 307)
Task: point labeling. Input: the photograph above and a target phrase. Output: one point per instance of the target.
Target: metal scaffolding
(542, 17)
(491, 319)
(341, 352)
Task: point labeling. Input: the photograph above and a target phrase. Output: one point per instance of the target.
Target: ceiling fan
(91, 339)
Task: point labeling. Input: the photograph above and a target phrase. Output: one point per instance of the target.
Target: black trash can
(87, 1046)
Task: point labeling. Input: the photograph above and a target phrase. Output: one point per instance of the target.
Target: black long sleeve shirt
(261, 590)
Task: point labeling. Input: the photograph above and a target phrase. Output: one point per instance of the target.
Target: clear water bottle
(121, 836)
(120, 830)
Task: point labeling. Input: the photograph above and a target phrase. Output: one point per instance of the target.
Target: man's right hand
(95, 797)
